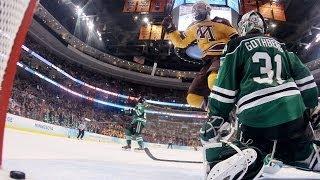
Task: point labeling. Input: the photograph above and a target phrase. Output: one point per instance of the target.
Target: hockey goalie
(276, 99)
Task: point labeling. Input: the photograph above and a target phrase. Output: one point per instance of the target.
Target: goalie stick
(168, 160)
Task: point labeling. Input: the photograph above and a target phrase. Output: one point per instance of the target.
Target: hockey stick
(168, 160)
(169, 9)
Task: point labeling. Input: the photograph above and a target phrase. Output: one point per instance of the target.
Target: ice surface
(44, 157)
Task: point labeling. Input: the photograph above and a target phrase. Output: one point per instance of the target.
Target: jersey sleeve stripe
(269, 94)
(222, 99)
(216, 47)
(224, 91)
(266, 91)
(306, 83)
(233, 34)
(304, 80)
(215, 50)
(267, 99)
(222, 95)
(308, 86)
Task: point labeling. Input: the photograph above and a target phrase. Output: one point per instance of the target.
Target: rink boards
(34, 126)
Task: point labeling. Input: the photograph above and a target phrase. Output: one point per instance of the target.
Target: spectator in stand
(35, 98)
(93, 78)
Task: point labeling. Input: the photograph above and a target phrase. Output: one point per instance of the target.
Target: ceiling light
(79, 10)
(90, 25)
(318, 37)
(99, 34)
(308, 46)
(136, 18)
(145, 19)
(100, 38)
(170, 42)
(273, 25)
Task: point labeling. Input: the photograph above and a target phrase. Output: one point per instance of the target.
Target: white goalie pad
(229, 168)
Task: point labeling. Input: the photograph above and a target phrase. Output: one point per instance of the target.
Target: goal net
(15, 18)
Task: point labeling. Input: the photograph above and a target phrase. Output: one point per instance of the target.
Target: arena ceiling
(119, 31)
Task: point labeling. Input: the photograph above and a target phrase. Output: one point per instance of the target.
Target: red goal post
(15, 19)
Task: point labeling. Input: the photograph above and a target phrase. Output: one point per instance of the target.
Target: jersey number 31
(267, 69)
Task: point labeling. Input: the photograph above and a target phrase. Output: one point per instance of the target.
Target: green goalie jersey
(268, 84)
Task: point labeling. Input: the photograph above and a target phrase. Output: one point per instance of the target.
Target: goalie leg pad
(234, 165)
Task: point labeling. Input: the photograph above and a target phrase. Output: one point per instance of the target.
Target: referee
(81, 128)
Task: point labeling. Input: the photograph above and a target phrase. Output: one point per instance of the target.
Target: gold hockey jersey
(210, 35)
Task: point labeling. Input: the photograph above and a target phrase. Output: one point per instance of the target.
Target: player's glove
(214, 129)
(168, 24)
(128, 112)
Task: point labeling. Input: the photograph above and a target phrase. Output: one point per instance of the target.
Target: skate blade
(138, 150)
(125, 149)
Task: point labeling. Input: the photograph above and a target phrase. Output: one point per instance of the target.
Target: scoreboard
(233, 4)
(185, 17)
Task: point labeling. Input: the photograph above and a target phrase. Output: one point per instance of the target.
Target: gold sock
(195, 100)
(212, 79)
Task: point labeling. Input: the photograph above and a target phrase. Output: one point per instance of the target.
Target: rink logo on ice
(43, 126)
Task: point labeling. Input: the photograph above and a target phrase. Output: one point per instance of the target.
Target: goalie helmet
(201, 10)
(252, 21)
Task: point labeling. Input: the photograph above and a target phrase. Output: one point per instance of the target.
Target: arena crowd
(34, 98)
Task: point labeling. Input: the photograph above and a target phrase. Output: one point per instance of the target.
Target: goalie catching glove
(214, 129)
(168, 25)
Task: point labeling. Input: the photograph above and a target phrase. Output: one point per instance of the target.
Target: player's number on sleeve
(267, 69)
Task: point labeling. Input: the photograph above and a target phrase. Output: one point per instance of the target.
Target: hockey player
(274, 93)
(211, 35)
(137, 124)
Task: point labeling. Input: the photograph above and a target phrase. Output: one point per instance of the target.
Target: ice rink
(44, 157)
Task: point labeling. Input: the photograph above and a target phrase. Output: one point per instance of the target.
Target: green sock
(129, 143)
(140, 144)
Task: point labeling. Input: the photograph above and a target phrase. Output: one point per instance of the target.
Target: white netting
(11, 15)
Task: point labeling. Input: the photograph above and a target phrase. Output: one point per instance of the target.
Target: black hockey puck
(17, 175)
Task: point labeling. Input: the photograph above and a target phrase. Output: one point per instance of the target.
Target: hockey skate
(126, 148)
(139, 149)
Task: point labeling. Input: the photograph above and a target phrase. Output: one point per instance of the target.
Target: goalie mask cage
(15, 18)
